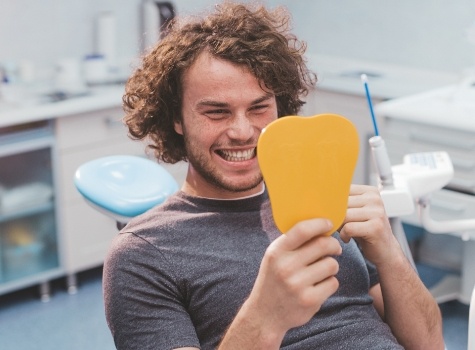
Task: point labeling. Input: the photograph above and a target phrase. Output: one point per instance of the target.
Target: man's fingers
(319, 247)
(359, 189)
(322, 291)
(362, 194)
(304, 231)
(321, 270)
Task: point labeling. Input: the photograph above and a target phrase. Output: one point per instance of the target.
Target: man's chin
(243, 187)
(230, 182)
(233, 182)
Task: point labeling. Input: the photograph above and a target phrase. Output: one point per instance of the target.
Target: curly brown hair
(254, 37)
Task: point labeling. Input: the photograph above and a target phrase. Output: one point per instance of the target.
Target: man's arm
(378, 303)
(409, 308)
(296, 276)
(402, 300)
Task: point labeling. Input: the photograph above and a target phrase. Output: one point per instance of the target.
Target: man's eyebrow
(212, 103)
(263, 98)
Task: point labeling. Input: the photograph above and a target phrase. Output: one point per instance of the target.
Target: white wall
(428, 34)
(419, 33)
(44, 32)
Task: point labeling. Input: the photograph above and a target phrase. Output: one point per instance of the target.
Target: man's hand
(366, 221)
(297, 275)
(409, 308)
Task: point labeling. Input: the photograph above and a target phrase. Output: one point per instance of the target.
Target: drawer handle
(457, 143)
(447, 206)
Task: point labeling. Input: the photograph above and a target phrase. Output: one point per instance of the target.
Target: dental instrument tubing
(378, 146)
(364, 79)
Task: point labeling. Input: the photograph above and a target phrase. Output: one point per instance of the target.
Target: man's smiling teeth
(237, 156)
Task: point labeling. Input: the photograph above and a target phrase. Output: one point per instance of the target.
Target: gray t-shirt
(177, 275)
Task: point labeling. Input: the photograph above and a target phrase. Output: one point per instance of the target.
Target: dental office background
(431, 35)
(427, 34)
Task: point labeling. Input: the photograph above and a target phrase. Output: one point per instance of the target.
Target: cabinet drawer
(403, 137)
(463, 162)
(86, 235)
(89, 128)
(453, 139)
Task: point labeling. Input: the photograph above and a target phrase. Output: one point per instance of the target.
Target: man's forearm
(409, 308)
(249, 331)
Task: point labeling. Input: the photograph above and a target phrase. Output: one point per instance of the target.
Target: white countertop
(452, 106)
(334, 74)
(386, 81)
(97, 99)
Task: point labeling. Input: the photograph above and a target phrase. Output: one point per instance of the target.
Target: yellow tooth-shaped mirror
(308, 164)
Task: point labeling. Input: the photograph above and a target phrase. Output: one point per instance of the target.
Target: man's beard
(209, 172)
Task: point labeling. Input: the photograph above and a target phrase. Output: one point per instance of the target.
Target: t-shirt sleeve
(144, 306)
(373, 273)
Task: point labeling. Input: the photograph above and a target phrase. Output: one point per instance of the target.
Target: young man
(209, 269)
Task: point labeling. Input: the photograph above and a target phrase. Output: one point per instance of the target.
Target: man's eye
(259, 108)
(216, 113)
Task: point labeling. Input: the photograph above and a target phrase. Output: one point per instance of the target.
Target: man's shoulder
(147, 232)
(157, 218)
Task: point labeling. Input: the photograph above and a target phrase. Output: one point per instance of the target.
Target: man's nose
(241, 128)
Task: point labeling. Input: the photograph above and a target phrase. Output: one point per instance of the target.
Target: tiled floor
(71, 322)
(77, 322)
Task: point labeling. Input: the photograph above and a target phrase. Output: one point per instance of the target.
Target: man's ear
(178, 127)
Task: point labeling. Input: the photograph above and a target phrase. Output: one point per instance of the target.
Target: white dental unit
(442, 123)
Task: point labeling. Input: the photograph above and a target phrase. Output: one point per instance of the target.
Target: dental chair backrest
(124, 186)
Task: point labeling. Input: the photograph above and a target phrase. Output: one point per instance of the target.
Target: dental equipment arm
(435, 226)
(419, 176)
(396, 200)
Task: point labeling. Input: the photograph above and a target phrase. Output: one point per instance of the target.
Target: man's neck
(223, 195)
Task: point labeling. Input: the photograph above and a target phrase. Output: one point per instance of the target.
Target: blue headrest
(124, 185)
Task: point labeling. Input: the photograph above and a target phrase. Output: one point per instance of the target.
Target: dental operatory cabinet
(60, 106)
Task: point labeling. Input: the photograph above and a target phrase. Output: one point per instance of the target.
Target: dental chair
(123, 187)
